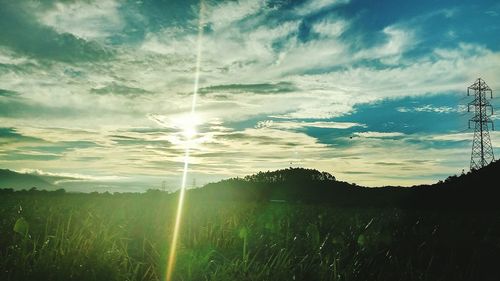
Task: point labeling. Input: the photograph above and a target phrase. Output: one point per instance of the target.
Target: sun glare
(188, 125)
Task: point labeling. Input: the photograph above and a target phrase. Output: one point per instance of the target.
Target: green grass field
(50, 236)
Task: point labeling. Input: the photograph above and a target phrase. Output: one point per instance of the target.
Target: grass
(46, 236)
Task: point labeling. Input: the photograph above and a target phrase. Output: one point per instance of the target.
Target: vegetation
(71, 236)
(298, 185)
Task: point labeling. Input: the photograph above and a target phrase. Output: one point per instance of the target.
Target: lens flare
(189, 133)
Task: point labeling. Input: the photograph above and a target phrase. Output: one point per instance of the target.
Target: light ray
(189, 135)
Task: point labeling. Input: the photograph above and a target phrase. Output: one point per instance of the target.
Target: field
(61, 236)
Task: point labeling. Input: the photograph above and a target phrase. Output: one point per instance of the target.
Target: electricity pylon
(482, 151)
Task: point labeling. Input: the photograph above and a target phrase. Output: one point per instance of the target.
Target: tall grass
(125, 237)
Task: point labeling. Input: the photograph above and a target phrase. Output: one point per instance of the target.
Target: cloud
(262, 88)
(397, 41)
(286, 125)
(220, 16)
(50, 147)
(88, 20)
(467, 137)
(23, 34)
(54, 177)
(11, 135)
(95, 73)
(7, 93)
(10, 58)
(379, 134)
(429, 108)
(117, 89)
(313, 6)
(64, 177)
(330, 28)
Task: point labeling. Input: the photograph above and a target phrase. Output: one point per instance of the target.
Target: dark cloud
(22, 33)
(218, 154)
(382, 163)
(8, 135)
(246, 137)
(20, 156)
(7, 93)
(263, 88)
(89, 158)
(119, 89)
(149, 130)
(37, 149)
(14, 107)
(118, 137)
(357, 173)
(419, 161)
(61, 147)
(137, 141)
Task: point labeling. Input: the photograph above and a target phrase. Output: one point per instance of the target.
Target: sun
(188, 124)
(189, 132)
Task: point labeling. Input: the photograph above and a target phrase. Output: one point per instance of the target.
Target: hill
(19, 181)
(475, 189)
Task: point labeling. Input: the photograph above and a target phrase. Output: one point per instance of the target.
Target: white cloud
(430, 108)
(224, 14)
(313, 6)
(236, 51)
(9, 57)
(287, 125)
(330, 27)
(494, 137)
(379, 134)
(90, 20)
(398, 40)
(71, 176)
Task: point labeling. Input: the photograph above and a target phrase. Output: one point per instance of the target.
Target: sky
(373, 92)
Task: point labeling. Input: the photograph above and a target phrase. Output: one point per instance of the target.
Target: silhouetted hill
(483, 179)
(476, 189)
(292, 184)
(290, 175)
(18, 181)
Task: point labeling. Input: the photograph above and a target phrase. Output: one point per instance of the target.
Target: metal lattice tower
(482, 151)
